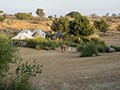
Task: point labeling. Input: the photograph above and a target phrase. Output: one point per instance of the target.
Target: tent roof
(58, 34)
(39, 31)
(22, 36)
(26, 31)
(36, 34)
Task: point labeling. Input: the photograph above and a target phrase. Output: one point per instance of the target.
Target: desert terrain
(67, 70)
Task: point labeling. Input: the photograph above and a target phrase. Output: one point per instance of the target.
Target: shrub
(24, 71)
(36, 42)
(52, 44)
(7, 54)
(117, 48)
(101, 42)
(74, 45)
(102, 48)
(2, 19)
(60, 43)
(106, 48)
(89, 50)
(80, 47)
(23, 16)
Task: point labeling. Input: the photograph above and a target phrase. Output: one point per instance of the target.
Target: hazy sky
(61, 7)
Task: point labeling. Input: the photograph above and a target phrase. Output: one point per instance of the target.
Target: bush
(23, 16)
(89, 50)
(100, 48)
(52, 44)
(2, 19)
(117, 48)
(24, 71)
(74, 45)
(106, 48)
(37, 42)
(7, 54)
(60, 43)
(80, 47)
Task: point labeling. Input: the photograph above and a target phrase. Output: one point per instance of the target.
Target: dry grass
(12, 24)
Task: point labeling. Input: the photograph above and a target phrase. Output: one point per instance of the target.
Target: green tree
(23, 16)
(2, 19)
(102, 25)
(81, 27)
(73, 14)
(7, 53)
(1, 12)
(60, 24)
(40, 12)
(50, 17)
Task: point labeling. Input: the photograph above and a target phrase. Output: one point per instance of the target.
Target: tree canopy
(60, 24)
(73, 14)
(101, 25)
(81, 27)
(40, 12)
(7, 53)
(1, 11)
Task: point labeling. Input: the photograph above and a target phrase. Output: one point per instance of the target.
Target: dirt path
(67, 69)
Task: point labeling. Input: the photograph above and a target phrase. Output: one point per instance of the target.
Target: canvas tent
(58, 34)
(22, 36)
(40, 32)
(26, 31)
(36, 34)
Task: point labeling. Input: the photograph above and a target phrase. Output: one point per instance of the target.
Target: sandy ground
(68, 70)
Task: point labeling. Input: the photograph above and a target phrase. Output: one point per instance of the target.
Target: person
(69, 48)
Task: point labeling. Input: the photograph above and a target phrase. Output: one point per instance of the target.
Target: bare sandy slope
(89, 73)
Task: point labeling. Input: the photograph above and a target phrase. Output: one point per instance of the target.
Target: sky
(61, 7)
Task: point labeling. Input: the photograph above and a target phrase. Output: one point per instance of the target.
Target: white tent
(26, 31)
(40, 32)
(22, 36)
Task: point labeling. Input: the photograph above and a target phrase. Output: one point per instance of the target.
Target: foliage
(118, 27)
(1, 11)
(52, 44)
(2, 19)
(74, 45)
(40, 12)
(50, 17)
(101, 25)
(23, 16)
(94, 15)
(81, 27)
(73, 14)
(60, 24)
(32, 43)
(100, 48)
(117, 48)
(89, 50)
(60, 43)
(80, 47)
(24, 71)
(7, 53)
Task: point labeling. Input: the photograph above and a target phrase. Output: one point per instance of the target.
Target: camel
(63, 47)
